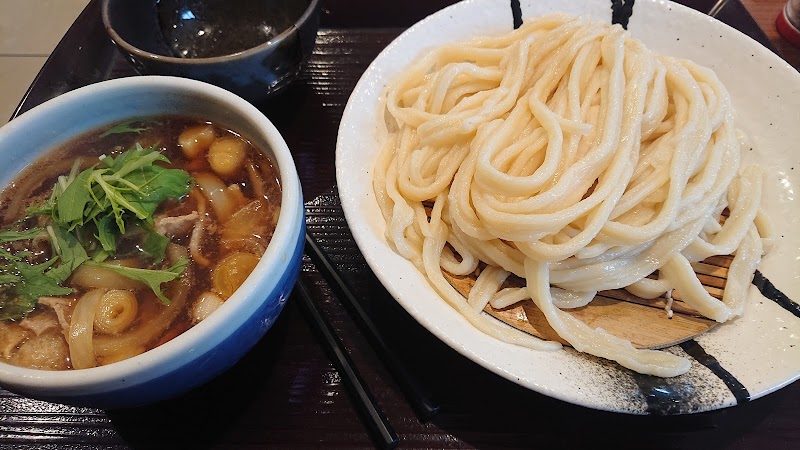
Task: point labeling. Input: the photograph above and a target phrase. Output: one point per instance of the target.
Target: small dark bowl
(253, 49)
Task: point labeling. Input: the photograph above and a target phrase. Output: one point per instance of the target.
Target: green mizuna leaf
(106, 234)
(152, 278)
(73, 200)
(69, 250)
(36, 283)
(23, 284)
(89, 211)
(125, 127)
(134, 183)
(12, 235)
(14, 308)
(6, 278)
(155, 244)
(130, 185)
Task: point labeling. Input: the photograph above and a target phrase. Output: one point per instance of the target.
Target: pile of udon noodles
(570, 155)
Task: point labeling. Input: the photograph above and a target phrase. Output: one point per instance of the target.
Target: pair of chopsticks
(376, 421)
(415, 393)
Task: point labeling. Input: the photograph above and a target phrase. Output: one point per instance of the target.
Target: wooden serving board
(643, 322)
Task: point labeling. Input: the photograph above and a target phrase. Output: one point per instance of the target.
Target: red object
(787, 30)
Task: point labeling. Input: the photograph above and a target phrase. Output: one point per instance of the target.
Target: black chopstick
(375, 420)
(415, 393)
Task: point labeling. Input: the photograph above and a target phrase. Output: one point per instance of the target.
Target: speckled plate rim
(759, 352)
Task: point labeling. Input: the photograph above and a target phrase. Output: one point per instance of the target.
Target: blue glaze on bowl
(219, 341)
(209, 365)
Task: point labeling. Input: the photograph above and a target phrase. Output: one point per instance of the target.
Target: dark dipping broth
(126, 293)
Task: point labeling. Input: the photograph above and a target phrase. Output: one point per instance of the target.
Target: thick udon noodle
(570, 155)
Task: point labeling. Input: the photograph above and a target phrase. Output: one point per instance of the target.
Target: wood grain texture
(643, 322)
(285, 394)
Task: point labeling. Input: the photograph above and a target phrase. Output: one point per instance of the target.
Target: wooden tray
(644, 322)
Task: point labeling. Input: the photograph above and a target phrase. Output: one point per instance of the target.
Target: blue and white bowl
(216, 343)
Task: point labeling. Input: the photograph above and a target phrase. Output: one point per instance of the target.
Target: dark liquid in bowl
(221, 227)
(204, 29)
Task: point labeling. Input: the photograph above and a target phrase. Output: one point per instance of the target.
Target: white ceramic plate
(758, 353)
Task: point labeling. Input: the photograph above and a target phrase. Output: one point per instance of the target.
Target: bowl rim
(206, 335)
(104, 12)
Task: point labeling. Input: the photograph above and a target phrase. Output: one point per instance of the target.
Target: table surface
(286, 393)
(765, 12)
